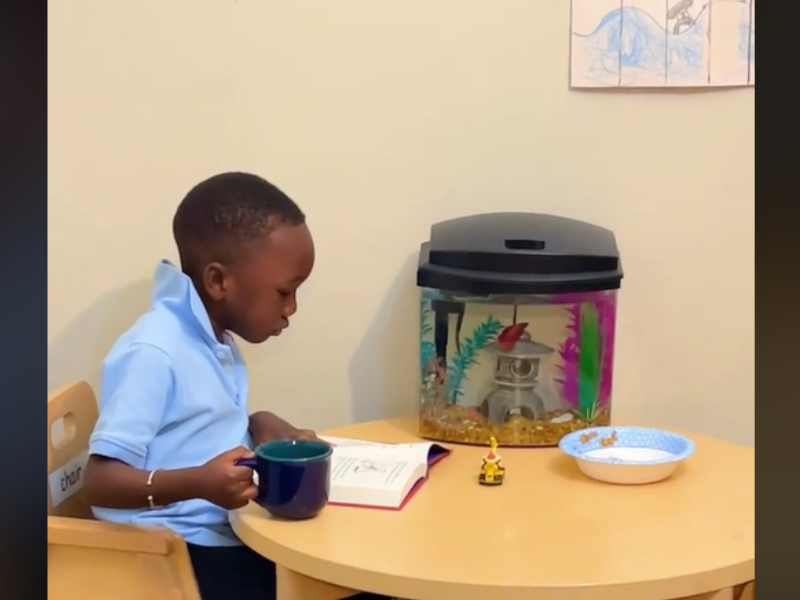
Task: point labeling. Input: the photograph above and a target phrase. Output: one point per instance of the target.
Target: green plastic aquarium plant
(427, 349)
(590, 362)
(484, 334)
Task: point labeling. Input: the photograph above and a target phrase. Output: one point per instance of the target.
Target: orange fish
(609, 441)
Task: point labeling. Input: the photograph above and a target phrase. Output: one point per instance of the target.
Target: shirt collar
(173, 288)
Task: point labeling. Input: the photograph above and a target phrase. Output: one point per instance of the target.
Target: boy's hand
(267, 427)
(225, 483)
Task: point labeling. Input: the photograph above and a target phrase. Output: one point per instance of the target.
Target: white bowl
(627, 455)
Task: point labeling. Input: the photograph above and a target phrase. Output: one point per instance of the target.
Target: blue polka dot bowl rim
(627, 455)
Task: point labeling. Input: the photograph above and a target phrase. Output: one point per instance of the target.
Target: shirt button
(221, 354)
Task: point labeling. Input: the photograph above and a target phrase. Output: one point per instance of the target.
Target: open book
(375, 475)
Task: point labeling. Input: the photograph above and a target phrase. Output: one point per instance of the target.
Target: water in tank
(517, 320)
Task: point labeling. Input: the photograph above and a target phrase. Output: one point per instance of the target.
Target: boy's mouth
(278, 331)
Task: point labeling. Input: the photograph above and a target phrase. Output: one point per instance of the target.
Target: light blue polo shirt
(172, 396)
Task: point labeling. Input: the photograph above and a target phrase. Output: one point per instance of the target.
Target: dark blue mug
(294, 477)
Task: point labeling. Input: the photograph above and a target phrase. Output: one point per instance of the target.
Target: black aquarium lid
(519, 253)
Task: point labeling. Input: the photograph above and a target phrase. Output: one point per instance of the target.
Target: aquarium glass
(525, 369)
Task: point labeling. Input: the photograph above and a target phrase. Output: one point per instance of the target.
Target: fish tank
(517, 319)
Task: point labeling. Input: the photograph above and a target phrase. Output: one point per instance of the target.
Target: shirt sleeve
(136, 388)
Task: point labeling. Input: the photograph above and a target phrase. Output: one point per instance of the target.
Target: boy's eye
(284, 293)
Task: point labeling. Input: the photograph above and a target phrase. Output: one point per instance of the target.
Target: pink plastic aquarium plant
(569, 357)
(606, 316)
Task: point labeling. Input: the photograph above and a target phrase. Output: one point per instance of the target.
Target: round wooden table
(548, 533)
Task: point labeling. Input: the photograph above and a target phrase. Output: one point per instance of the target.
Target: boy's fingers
(240, 452)
(243, 474)
(308, 434)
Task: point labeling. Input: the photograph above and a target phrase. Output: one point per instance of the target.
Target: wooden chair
(94, 560)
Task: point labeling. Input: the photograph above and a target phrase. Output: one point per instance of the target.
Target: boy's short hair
(225, 211)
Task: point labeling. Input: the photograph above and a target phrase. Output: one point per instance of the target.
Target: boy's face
(256, 296)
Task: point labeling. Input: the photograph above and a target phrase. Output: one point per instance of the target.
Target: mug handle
(249, 462)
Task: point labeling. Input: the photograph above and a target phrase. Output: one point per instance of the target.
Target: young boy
(173, 402)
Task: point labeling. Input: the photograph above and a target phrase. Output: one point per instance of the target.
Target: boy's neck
(219, 332)
(217, 328)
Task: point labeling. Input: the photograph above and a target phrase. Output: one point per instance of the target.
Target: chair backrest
(75, 406)
(94, 560)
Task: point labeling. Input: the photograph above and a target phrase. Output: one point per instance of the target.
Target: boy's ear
(215, 280)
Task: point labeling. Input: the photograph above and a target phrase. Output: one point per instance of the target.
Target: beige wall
(380, 118)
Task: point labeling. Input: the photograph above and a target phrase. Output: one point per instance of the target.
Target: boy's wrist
(196, 482)
(179, 485)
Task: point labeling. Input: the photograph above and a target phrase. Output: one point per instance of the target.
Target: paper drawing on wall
(662, 43)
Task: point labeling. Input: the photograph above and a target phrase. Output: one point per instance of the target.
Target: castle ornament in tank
(517, 319)
(515, 376)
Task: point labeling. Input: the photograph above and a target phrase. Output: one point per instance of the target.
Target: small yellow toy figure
(492, 470)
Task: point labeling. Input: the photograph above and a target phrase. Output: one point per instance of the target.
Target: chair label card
(67, 479)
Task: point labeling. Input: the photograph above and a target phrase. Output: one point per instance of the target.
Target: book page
(352, 471)
(416, 453)
(340, 442)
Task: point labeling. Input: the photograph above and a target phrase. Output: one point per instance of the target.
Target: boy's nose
(289, 309)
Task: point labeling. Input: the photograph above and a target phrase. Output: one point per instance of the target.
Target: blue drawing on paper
(600, 49)
(627, 37)
(686, 41)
